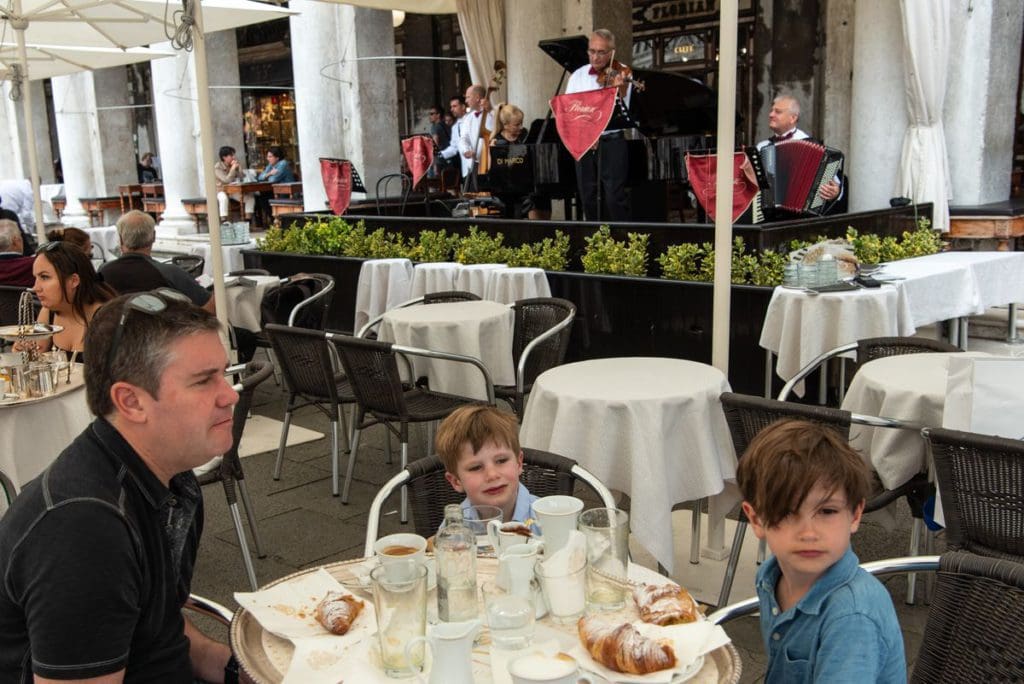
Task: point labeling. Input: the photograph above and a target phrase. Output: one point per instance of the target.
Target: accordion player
(790, 175)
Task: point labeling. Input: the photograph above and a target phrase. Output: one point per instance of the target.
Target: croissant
(622, 648)
(338, 611)
(665, 604)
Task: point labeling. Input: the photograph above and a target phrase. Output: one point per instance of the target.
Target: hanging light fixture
(397, 17)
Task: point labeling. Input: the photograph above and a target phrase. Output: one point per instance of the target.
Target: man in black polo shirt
(137, 271)
(97, 553)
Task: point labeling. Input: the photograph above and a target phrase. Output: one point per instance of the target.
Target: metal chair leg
(695, 532)
(387, 445)
(734, 559)
(284, 440)
(344, 428)
(250, 513)
(246, 557)
(334, 457)
(405, 491)
(351, 466)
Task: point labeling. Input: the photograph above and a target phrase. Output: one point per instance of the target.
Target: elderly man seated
(15, 268)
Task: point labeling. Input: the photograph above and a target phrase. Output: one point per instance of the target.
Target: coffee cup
(556, 516)
(401, 547)
(505, 535)
(538, 668)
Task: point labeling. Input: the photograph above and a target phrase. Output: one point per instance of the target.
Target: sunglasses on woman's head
(49, 246)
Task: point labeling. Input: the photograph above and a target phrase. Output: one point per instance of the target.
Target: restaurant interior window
(269, 120)
(688, 49)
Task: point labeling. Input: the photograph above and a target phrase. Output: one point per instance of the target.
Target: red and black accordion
(790, 174)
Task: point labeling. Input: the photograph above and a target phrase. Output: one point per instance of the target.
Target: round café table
(479, 329)
(650, 427)
(265, 658)
(911, 387)
(33, 432)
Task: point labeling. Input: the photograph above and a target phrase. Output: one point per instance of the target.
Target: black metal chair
(981, 480)
(540, 339)
(313, 378)
(190, 263)
(382, 396)
(746, 416)
(229, 472)
(544, 474)
(10, 297)
(405, 184)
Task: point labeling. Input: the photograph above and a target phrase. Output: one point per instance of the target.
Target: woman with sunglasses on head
(70, 293)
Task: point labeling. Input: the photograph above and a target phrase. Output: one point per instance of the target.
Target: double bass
(484, 163)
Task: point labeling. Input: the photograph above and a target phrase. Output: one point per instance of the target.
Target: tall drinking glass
(400, 598)
(607, 533)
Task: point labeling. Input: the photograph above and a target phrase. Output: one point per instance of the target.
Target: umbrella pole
(19, 25)
(209, 179)
(723, 185)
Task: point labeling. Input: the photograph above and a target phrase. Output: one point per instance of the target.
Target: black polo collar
(157, 495)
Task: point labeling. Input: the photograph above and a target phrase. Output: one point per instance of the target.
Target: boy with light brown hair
(823, 618)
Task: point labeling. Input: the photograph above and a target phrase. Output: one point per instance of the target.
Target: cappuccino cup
(538, 668)
(401, 547)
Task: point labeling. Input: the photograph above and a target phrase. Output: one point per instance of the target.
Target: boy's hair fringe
(475, 425)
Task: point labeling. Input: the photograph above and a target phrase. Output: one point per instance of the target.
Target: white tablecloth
(383, 285)
(650, 427)
(910, 387)
(434, 277)
(33, 434)
(512, 284)
(232, 255)
(479, 329)
(106, 237)
(936, 288)
(243, 301)
(473, 278)
(47, 192)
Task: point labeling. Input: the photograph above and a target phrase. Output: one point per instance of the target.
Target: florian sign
(676, 10)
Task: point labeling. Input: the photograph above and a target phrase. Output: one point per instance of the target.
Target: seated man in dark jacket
(15, 267)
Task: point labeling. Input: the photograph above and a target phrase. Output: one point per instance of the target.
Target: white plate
(38, 331)
(686, 675)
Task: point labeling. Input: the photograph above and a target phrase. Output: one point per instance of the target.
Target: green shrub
(697, 262)
(603, 254)
(551, 254)
(433, 246)
(681, 262)
(480, 248)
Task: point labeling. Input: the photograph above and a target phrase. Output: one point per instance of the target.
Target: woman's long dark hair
(67, 260)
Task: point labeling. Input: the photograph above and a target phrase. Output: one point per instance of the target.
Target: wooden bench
(154, 205)
(196, 208)
(1002, 221)
(287, 190)
(280, 206)
(97, 206)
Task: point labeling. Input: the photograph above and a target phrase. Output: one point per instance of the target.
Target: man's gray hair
(606, 34)
(136, 230)
(10, 235)
(794, 104)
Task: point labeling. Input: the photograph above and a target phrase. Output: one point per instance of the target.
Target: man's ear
(129, 401)
(454, 482)
(755, 522)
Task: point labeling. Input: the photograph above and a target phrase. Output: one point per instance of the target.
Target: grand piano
(674, 114)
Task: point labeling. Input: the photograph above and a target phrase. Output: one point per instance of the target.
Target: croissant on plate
(622, 648)
(338, 611)
(665, 604)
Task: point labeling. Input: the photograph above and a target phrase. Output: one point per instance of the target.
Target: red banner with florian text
(701, 169)
(337, 177)
(419, 155)
(581, 118)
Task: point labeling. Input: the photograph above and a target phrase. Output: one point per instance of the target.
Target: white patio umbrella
(131, 23)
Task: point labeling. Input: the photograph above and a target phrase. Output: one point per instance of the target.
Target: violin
(615, 69)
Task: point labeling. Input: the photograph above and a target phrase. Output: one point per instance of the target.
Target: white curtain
(482, 23)
(924, 171)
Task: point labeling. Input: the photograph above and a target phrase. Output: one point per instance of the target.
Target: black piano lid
(670, 104)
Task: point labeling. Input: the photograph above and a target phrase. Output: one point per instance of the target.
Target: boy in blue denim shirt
(823, 618)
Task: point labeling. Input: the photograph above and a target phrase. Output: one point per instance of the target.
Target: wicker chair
(981, 480)
(302, 301)
(975, 628)
(880, 347)
(382, 397)
(747, 416)
(312, 378)
(190, 263)
(229, 473)
(540, 339)
(543, 474)
(10, 296)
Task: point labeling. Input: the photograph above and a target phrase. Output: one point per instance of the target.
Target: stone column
(319, 117)
(532, 75)
(837, 78)
(225, 102)
(583, 16)
(981, 98)
(174, 96)
(74, 103)
(878, 116)
(114, 123)
(12, 123)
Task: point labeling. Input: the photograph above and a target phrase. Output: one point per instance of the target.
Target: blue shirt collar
(842, 572)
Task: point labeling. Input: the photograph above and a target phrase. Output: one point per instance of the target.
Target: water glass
(476, 519)
(791, 275)
(509, 616)
(564, 591)
(400, 598)
(809, 275)
(607, 533)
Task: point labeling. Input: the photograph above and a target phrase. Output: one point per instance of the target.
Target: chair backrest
(249, 272)
(975, 627)
(747, 416)
(981, 481)
(10, 297)
(880, 347)
(544, 474)
(255, 372)
(405, 184)
(449, 296)
(190, 263)
(303, 301)
(304, 357)
(372, 370)
(533, 318)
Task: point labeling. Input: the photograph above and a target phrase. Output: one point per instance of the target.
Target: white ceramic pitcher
(451, 648)
(515, 574)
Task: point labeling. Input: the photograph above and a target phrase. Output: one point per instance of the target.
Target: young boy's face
(811, 540)
(490, 477)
